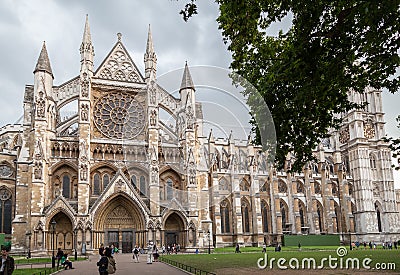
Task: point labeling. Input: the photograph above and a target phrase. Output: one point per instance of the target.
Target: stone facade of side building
(114, 172)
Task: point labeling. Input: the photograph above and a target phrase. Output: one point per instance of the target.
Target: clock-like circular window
(5, 171)
(119, 115)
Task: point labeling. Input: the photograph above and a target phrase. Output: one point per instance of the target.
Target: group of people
(63, 259)
(107, 264)
(372, 245)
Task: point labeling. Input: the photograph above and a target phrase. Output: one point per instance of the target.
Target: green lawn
(216, 261)
(24, 260)
(29, 271)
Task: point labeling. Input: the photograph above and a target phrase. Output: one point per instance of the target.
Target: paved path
(125, 265)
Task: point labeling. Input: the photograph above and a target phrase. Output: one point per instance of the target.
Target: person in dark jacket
(7, 262)
(59, 255)
(103, 262)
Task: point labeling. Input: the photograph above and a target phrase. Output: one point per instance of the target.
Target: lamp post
(209, 239)
(75, 246)
(351, 247)
(29, 234)
(53, 232)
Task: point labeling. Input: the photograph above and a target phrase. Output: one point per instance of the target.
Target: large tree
(304, 74)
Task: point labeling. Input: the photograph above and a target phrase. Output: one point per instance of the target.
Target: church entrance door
(113, 238)
(127, 241)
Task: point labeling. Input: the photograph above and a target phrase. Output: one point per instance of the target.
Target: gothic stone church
(114, 172)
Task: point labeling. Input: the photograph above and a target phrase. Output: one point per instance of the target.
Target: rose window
(119, 115)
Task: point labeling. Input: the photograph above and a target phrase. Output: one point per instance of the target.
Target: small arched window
(5, 211)
(96, 184)
(66, 188)
(245, 217)
(133, 181)
(225, 224)
(264, 213)
(143, 186)
(106, 181)
(170, 191)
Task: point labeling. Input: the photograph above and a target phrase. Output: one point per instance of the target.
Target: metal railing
(188, 268)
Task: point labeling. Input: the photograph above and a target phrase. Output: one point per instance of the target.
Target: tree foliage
(304, 75)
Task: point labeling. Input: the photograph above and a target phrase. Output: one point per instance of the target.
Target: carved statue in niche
(190, 118)
(83, 172)
(57, 191)
(153, 118)
(85, 112)
(153, 95)
(82, 151)
(40, 107)
(85, 85)
(38, 171)
(154, 174)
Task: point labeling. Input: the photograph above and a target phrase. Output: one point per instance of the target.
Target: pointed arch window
(319, 213)
(301, 212)
(5, 211)
(225, 224)
(245, 217)
(264, 213)
(66, 188)
(143, 187)
(96, 184)
(223, 184)
(106, 180)
(372, 161)
(284, 215)
(133, 181)
(378, 216)
(170, 190)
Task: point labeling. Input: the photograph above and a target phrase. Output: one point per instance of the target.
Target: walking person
(101, 250)
(59, 255)
(150, 253)
(103, 264)
(107, 263)
(136, 254)
(7, 262)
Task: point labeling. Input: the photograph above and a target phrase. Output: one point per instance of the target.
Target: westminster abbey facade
(114, 172)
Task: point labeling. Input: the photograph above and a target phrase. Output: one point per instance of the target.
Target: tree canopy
(304, 74)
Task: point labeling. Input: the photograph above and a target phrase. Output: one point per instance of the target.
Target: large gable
(119, 66)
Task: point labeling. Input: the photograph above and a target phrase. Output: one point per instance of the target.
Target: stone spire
(187, 82)
(43, 63)
(87, 49)
(150, 58)
(87, 39)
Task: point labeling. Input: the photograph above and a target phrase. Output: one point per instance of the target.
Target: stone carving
(85, 112)
(190, 118)
(85, 85)
(154, 174)
(5, 194)
(5, 171)
(153, 118)
(119, 66)
(40, 106)
(83, 151)
(83, 172)
(38, 170)
(119, 115)
(153, 93)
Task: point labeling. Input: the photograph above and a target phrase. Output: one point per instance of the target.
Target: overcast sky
(25, 24)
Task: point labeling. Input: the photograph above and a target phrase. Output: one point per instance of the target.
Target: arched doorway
(120, 222)
(174, 230)
(62, 236)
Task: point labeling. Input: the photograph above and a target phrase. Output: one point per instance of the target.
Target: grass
(216, 261)
(31, 271)
(24, 260)
(285, 248)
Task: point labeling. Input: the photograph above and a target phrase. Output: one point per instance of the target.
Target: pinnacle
(43, 63)
(150, 47)
(87, 39)
(187, 82)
